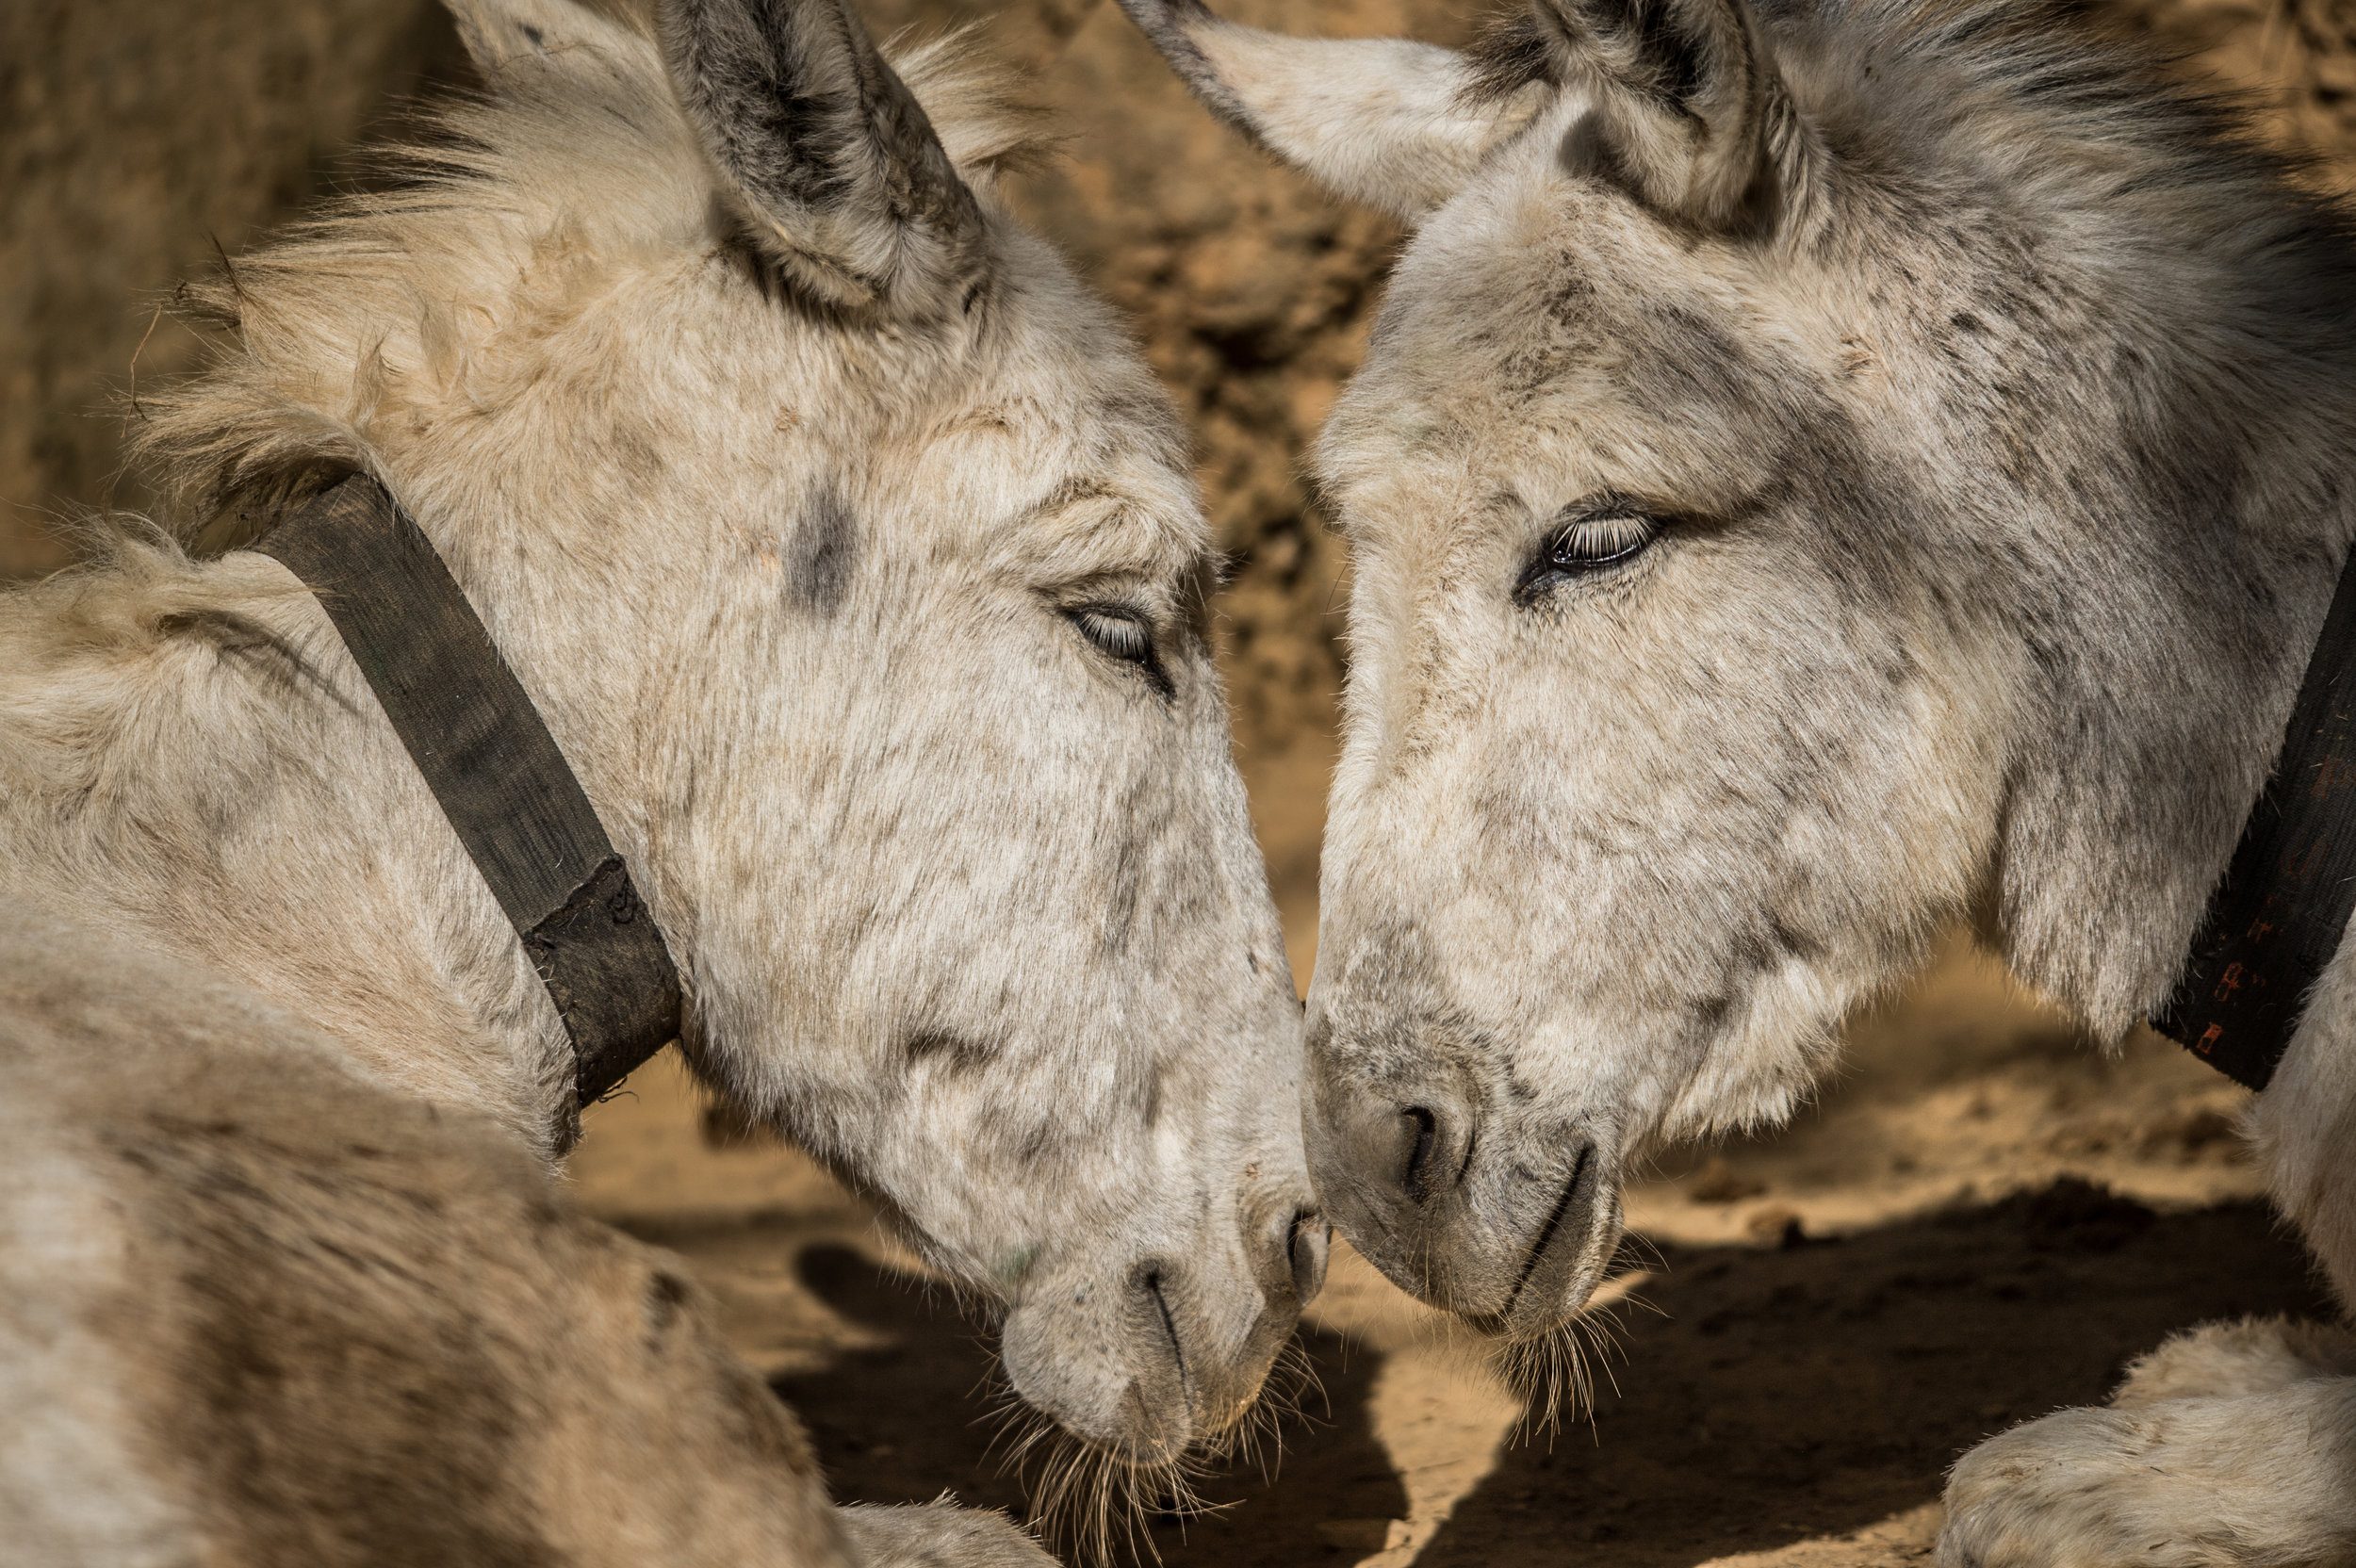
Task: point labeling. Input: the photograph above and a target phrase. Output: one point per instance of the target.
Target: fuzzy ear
(827, 155)
(1688, 111)
(506, 36)
(1395, 125)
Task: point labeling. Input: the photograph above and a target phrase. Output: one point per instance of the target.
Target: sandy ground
(1982, 1220)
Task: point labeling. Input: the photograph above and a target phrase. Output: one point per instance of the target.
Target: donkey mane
(2084, 73)
(488, 236)
(2004, 86)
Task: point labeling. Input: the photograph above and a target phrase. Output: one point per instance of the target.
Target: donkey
(849, 551)
(1821, 469)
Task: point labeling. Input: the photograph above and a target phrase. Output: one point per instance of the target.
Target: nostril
(1417, 1177)
(1305, 1245)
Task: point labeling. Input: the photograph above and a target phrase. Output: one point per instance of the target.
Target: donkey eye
(1588, 542)
(1124, 633)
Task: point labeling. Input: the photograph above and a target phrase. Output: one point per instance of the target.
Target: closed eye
(1123, 633)
(1588, 539)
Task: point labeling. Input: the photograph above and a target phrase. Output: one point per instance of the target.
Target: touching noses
(1393, 1158)
(1305, 1243)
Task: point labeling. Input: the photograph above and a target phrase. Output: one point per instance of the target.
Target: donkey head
(1809, 479)
(851, 552)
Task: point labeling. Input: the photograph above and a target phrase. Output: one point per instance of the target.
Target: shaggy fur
(873, 630)
(1827, 468)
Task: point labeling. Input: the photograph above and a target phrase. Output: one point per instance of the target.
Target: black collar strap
(498, 773)
(2279, 916)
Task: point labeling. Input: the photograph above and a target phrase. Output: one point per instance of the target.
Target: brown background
(1981, 1220)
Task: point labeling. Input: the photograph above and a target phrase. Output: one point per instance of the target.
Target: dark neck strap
(2279, 916)
(491, 763)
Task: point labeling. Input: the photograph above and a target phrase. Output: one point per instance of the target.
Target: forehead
(1090, 443)
(1544, 339)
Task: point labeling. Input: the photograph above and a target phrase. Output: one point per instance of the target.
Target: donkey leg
(940, 1535)
(2249, 1356)
(2232, 1444)
(2254, 1480)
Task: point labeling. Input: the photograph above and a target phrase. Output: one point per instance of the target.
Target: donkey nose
(1305, 1243)
(1412, 1149)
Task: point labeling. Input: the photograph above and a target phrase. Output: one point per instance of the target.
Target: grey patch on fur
(245, 641)
(1587, 152)
(1043, 1138)
(666, 1294)
(825, 552)
(427, 1477)
(1125, 886)
(956, 1052)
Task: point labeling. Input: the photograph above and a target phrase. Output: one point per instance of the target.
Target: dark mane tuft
(1511, 53)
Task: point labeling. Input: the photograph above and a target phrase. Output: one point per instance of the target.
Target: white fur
(2232, 1444)
(1382, 120)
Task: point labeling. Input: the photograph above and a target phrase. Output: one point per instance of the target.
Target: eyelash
(1587, 545)
(1600, 541)
(1120, 632)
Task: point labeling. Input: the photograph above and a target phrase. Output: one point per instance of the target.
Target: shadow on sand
(897, 1423)
(1776, 1395)
(1823, 1387)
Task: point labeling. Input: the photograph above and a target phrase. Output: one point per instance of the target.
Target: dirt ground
(1981, 1220)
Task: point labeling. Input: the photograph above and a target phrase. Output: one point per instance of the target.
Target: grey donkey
(1820, 470)
(850, 552)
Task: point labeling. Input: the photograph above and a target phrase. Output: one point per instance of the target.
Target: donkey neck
(2164, 703)
(187, 752)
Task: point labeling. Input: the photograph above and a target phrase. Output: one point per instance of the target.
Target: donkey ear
(503, 37)
(1688, 109)
(1393, 125)
(826, 154)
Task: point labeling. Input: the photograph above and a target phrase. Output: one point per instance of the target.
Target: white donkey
(849, 551)
(1821, 469)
